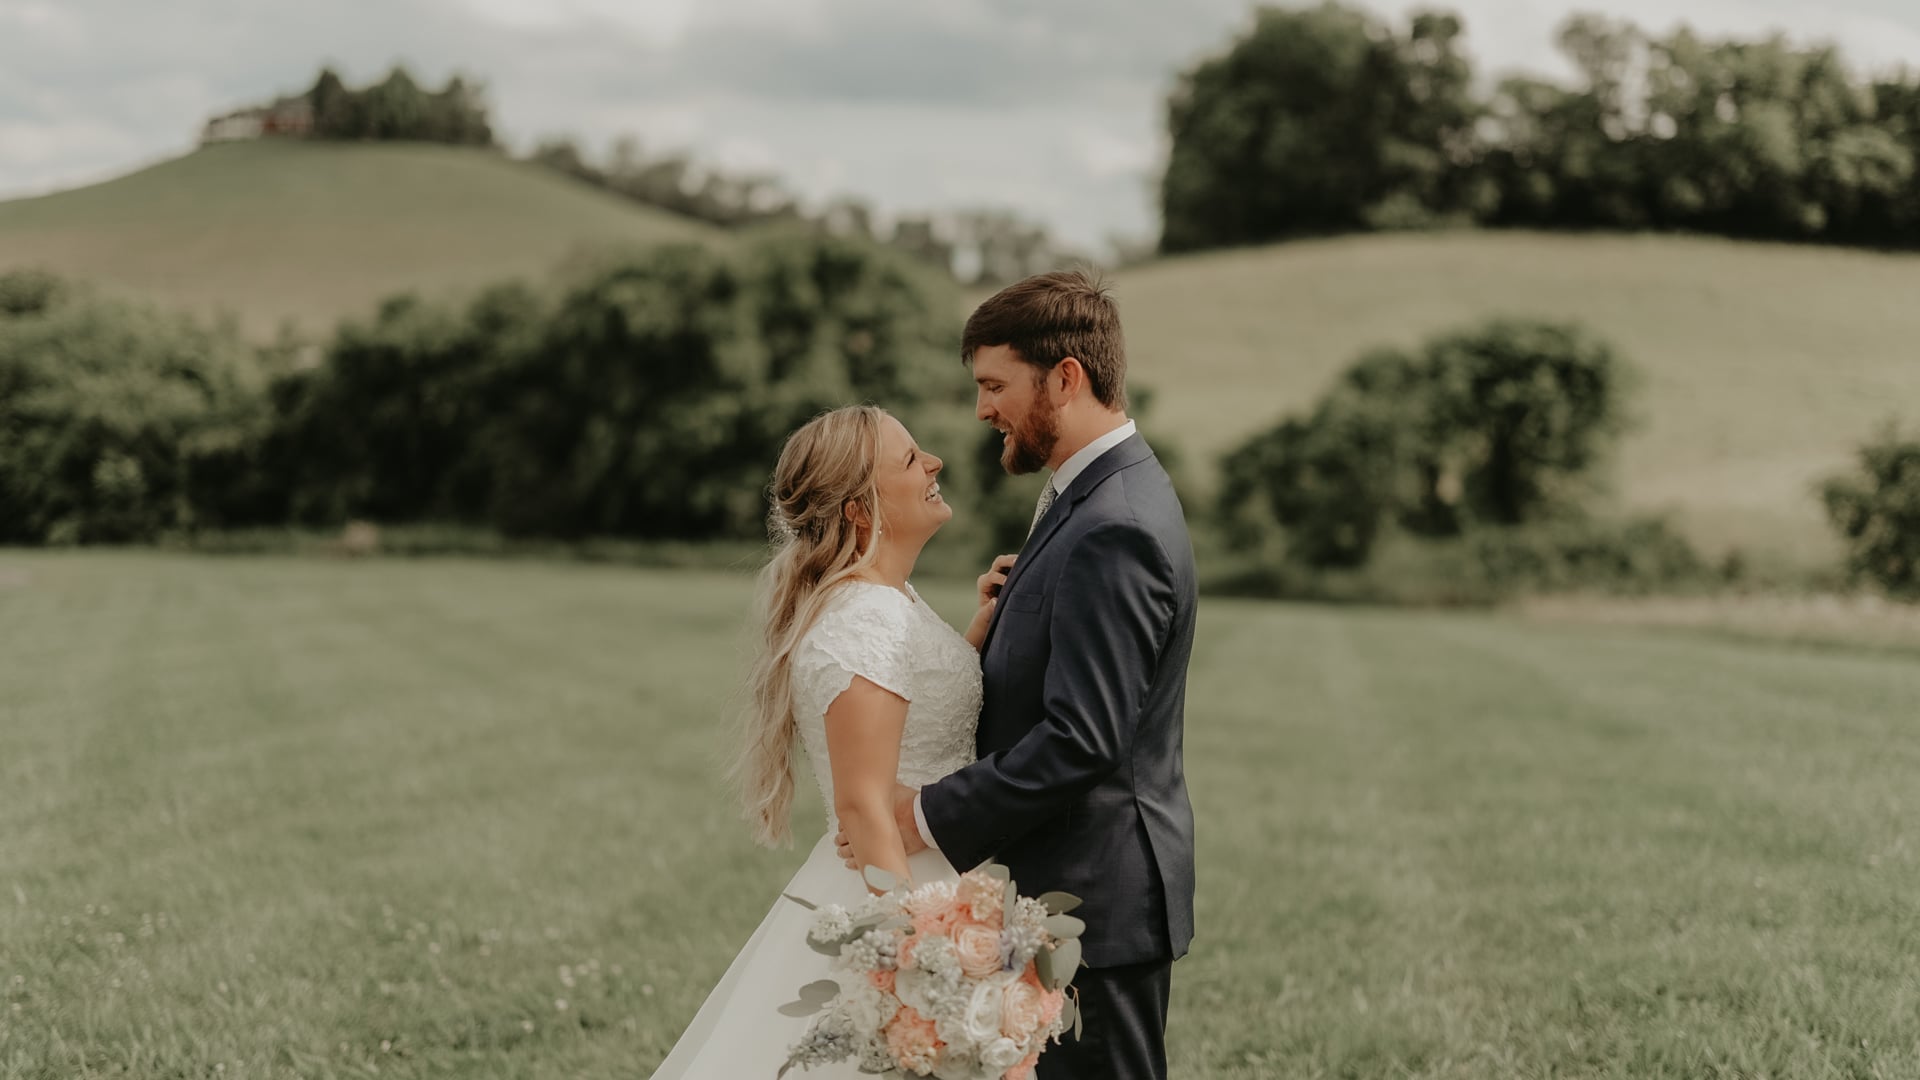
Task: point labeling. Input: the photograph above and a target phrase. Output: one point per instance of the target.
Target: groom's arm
(1112, 607)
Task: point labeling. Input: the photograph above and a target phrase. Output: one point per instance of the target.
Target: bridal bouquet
(961, 980)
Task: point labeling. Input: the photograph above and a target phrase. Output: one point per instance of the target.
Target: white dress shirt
(1061, 479)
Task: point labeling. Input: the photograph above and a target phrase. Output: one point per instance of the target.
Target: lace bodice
(897, 642)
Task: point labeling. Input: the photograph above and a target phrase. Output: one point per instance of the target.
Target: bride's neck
(892, 564)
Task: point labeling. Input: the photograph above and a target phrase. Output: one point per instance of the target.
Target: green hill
(1761, 366)
(312, 231)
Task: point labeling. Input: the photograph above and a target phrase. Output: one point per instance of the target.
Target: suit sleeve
(1112, 608)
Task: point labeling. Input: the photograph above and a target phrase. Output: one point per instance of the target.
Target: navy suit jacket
(1079, 784)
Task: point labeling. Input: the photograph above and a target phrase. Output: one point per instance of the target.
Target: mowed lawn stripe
(466, 818)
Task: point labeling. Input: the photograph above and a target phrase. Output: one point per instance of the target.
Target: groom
(1079, 785)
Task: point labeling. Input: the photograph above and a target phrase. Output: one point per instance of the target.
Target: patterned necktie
(1040, 511)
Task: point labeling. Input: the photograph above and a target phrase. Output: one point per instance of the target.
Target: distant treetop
(396, 108)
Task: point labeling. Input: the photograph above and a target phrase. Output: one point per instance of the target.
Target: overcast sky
(1051, 107)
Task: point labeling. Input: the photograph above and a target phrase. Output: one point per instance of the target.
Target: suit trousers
(1124, 1021)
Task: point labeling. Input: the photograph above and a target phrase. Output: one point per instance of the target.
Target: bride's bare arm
(864, 725)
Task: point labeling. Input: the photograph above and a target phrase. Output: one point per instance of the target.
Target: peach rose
(881, 980)
(979, 949)
(913, 1042)
(935, 908)
(1021, 1011)
(1024, 1070)
(940, 923)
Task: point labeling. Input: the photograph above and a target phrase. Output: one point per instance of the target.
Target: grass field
(313, 232)
(276, 817)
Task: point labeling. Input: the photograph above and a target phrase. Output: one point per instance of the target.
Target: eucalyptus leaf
(880, 879)
(1066, 959)
(813, 997)
(1059, 903)
(1079, 1018)
(1069, 1011)
(1043, 967)
(808, 904)
(898, 922)
(826, 948)
(998, 872)
(1010, 903)
(1063, 926)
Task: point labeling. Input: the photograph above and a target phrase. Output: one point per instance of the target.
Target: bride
(877, 689)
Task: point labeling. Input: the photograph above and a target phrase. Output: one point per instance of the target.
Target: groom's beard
(1030, 445)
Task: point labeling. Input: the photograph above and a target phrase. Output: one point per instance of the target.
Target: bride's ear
(857, 514)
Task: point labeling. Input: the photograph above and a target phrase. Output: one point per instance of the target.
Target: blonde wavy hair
(826, 467)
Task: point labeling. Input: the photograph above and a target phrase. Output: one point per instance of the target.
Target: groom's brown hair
(1049, 317)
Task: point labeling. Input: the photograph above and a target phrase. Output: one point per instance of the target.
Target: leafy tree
(1499, 426)
(1876, 509)
(1316, 120)
(1523, 410)
(107, 409)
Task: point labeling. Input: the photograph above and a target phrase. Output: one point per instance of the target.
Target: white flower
(831, 924)
(935, 956)
(932, 896)
(1028, 912)
(869, 1007)
(981, 1022)
(917, 989)
(1022, 943)
(937, 999)
(859, 956)
(1001, 1053)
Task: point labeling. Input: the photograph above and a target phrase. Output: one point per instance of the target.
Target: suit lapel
(1130, 452)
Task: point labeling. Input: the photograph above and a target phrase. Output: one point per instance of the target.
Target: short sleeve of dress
(867, 632)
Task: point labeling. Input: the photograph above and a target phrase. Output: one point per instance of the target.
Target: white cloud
(1105, 154)
(658, 22)
(1054, 110)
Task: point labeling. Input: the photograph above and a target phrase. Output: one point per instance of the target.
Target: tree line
(1328, 119)
(397, 107)
(977, 245)
(645, 398)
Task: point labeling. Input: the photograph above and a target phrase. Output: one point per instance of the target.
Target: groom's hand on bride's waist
(902, 818)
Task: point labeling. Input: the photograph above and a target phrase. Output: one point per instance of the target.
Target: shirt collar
(1087, 455)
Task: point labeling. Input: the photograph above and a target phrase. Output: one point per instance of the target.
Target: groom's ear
(1072, 375)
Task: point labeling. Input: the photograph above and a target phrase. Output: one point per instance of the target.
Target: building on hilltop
(289, 116)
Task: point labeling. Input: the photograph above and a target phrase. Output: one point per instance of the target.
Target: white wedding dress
(895, 641)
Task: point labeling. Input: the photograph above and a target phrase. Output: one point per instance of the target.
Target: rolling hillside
(315, 231)
(1760, 366)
